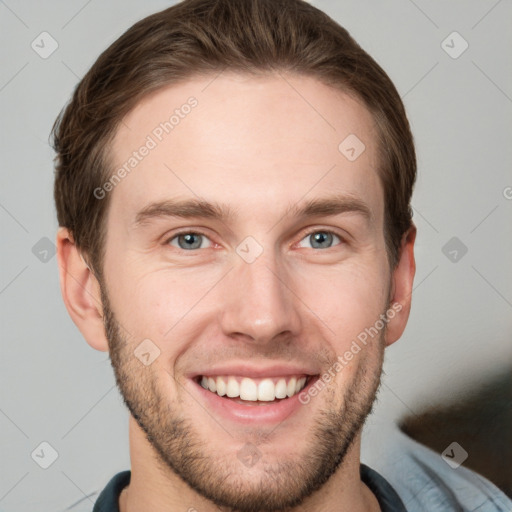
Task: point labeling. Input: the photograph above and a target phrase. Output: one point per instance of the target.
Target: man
(233, 188)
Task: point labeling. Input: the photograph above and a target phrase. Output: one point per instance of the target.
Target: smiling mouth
(247, 391)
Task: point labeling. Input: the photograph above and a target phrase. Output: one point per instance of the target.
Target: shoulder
(426, 482)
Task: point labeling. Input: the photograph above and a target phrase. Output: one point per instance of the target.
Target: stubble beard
(278, 485)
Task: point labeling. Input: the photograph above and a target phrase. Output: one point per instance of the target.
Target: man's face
(259, 297)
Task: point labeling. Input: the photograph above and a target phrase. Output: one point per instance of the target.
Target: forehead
(255, 143)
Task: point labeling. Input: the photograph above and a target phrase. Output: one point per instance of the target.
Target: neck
(153, 487)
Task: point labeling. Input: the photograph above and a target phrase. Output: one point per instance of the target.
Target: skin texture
(260, 145)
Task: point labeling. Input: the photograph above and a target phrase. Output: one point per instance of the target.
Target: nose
(258, 303)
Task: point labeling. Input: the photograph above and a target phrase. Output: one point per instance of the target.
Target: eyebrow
(199, 208)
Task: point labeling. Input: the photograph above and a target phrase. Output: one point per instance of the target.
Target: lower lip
(270, 413)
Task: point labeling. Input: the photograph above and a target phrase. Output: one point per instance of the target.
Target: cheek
(158, 304)
(348, 301)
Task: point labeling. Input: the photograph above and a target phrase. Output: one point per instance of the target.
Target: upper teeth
(250, 389)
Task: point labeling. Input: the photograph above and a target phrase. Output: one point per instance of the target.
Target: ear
(401, 289)
(81, 291)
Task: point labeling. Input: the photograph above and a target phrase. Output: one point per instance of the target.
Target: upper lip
(255, 372)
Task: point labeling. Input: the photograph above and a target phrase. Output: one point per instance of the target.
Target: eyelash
(198, 232)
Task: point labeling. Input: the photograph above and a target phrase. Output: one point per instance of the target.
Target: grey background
(55, 388)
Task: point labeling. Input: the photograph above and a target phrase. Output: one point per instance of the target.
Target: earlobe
(401, 287)
(80, 291)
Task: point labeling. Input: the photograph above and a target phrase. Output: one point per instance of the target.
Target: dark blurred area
(481, 423)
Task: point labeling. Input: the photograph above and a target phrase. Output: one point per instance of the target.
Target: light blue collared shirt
(427, 483)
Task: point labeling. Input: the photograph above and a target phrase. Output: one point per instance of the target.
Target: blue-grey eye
(321, 239)
(188, 241)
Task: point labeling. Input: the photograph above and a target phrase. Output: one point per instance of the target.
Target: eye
(321, 239)
(188, 240)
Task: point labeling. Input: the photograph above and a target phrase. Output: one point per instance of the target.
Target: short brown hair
(197, 37)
